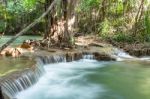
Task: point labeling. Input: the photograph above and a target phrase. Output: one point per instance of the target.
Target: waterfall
(25, 79)
(121, 55)
(21, 81)
(68, 57)
(88, 56)
(52, 59)
(145, 58)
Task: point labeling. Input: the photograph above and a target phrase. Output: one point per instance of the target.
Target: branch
(28, 27)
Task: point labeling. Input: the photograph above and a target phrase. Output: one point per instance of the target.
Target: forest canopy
(117, 20)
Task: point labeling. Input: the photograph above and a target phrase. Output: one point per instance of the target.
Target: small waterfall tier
(122, 55)
(74, 56)
(21, 80)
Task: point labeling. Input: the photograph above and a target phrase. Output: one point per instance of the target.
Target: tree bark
(66, 34)
(28, 27)
(138, 16)
(48, 20)
(103, 9)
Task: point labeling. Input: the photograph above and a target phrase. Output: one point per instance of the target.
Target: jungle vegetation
(112, 20)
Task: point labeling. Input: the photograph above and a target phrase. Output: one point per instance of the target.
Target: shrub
(123, 37)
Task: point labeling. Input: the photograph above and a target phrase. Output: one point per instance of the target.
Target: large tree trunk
(28, 27)
(61, 23)
(66, 34)
(72, 16)
(48, 20)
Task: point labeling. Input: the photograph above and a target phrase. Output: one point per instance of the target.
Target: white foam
(145, 58)
(58, 82)
(121, 55)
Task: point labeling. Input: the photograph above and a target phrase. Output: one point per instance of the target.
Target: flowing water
(22, 78)
(83, 79)
(90, 79)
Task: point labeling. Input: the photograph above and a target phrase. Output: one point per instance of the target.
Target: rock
(78, 34)
(96, 44)
(87, 47)
(51, 50)
(26, 46)
(14, 52)
(103, 57)
(139, 52)
(73, 56)
(7, 51)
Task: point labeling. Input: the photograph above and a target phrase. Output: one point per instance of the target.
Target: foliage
(20, 6)
(122, 37)
(147, 26)
(15, 14)
(115, 19)
(87, 5)
(119, 7)
(2, 16)
(29, 5)
(108, 18)
(104, 28)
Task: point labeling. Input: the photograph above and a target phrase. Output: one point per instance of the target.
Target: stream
(91, 79)
(126, 78)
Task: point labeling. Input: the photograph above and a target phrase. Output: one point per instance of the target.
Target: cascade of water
(52, 59)
(59, 58)
(121, 55)
(145, 58)
(65, 81)
(88, 56)
(29, 77)
(20, 82)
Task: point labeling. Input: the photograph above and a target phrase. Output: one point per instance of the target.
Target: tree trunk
(66, 34)
(103, 9)
(138, 17)
(48, 20)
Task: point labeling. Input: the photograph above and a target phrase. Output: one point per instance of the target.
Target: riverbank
(134, 49)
